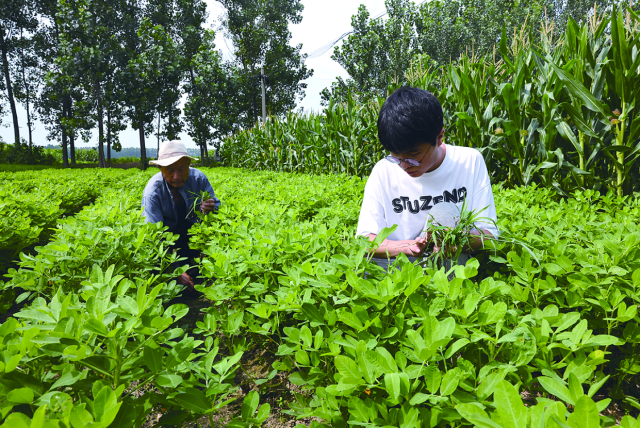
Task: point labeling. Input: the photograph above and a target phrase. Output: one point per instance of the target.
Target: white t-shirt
(391, 196)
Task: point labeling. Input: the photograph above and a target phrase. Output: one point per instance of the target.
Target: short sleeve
(482, 199)
(372, 219)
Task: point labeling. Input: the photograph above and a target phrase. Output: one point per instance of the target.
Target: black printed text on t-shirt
(427, 202)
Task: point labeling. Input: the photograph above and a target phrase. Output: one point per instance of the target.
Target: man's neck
(441, 153)
(174, 191)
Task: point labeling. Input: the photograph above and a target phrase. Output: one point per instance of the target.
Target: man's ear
(440, 137)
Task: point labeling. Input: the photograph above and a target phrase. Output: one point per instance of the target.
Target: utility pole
(264, 107)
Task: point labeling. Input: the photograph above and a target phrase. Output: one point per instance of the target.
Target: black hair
(408, 118)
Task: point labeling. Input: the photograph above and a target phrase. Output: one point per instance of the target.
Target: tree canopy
(95, 65)
(260, 36)
(380, 50)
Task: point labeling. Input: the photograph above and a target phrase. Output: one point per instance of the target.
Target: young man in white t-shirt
(420, 172)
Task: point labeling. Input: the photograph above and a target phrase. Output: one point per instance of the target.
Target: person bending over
(420, 172)
(170, 195)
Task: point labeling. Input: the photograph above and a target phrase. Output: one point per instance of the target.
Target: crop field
(296, 326)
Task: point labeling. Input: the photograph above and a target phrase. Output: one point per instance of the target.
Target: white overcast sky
(322, 22)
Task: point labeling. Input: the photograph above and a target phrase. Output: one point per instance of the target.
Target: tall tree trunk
(27, 96)
(206, 151)
(143, 149)
(5, 67)
(29, 123)
(101, 162)
(201, 151)
(65, 158)
(72, 138)
(109, 137)
(72, 149)
(170, 134)
(158, 135)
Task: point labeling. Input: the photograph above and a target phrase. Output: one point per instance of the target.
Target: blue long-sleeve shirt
(158, 204)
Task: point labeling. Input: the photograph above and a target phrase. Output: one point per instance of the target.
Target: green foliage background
(560, 113)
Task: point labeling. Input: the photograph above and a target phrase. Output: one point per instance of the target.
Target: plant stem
(582, 155)
(620, 141)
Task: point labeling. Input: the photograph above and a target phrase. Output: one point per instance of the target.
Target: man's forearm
(390, 248)
(479, 236)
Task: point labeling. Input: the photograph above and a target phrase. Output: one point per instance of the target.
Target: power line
(325, 48)
(319, 51)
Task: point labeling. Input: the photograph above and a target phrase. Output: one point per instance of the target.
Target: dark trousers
(182, 248)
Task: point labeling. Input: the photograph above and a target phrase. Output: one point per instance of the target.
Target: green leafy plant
(542, 335)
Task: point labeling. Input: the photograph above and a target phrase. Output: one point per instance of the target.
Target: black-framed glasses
(411, 162)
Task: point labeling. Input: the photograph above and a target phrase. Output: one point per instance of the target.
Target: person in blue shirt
(170, 197)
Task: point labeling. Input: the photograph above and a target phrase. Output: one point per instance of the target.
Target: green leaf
(577, 89)
(575, 387)
(567, 321)
(234, 322)
(419, 398)
(67, 379)
(596, 386)
(36, 316)
(17, 420)
(302, 357)
(79, 416)
(476, 416)
(312, 314)
(317, 340)
(357, 409)
(20, 396)
(490, 313)
(250, 405)
(432, 377)
(129, 304)
(38, 417)
(392, 384)
(347, 367)
(167, 380)
(567, 133)
(105, 406)
(578, 332)
(635, 277)
(557, 388)
(585, 414)
(488, 385)
(628, 422)
(602, 340)
(94, 326)
(263, 413)
(194, 400)
(576, 116)
(305, 335)
(153, 358)
(366, 366)
(509, 404)
(409, 417)
(450, 382)
(386, 360)
(102, 301)
(12, 363)
(603, 404)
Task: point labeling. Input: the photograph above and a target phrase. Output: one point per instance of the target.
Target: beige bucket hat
(171, 152)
